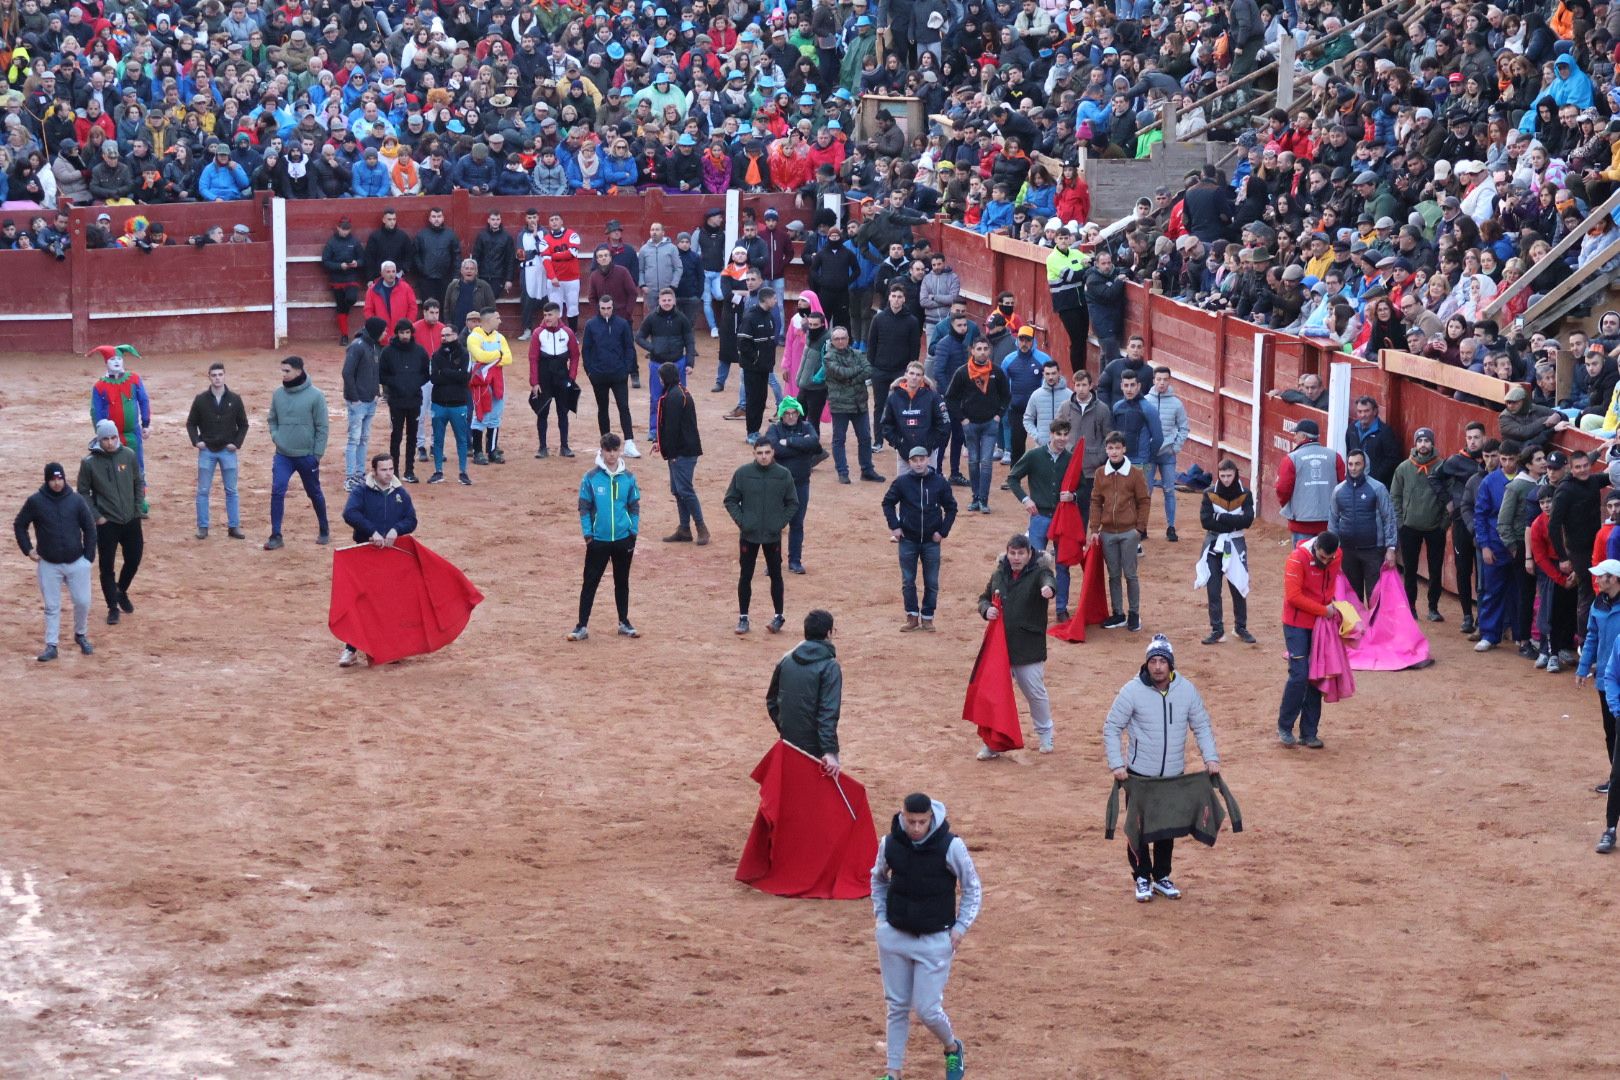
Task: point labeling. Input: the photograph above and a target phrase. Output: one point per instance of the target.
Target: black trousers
(1082, 498)
(542, 414)
(836, 304)
(1020, 437)
(814, 400)
(1466, 559)
(435, 288)
(747, 559)
(1240, 603)
(1156, 865)
(1411, 540)
(620, 389)
(598, 553)
(1524, 617)
(756, 392)
(110, 539)
(403, 421)
(1361, 569)
(1078, 325)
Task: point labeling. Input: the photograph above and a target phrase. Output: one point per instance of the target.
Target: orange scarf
(752, 177)
(980, 374)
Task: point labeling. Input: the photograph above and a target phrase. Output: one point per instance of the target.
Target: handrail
(1536, 315)
(1271, 68)
(1557, 252)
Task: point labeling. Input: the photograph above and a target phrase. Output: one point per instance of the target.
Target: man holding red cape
(813, 835)
(1015, 604)
(1068, 535)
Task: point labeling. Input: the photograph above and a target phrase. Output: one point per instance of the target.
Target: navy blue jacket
(920, 506)
(691, 284)
(372, 511)
(1139, 423)
(608, 349)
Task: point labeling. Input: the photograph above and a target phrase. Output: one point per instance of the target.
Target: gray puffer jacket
(1157, 724)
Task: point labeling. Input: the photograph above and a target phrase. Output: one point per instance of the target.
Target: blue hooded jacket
(1570, 86)
(609, 503)
(370, 181)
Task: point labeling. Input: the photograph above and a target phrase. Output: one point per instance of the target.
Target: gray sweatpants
(1031, 680)
(77, 576)
(914, 969)
(1119, 552)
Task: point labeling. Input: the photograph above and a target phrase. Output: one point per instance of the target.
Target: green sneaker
(953, 1062)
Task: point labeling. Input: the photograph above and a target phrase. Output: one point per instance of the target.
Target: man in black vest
(919, 923)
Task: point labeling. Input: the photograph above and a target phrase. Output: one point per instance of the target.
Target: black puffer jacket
(64, 523)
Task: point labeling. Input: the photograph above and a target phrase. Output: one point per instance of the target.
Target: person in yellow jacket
(490, 354)
(1065, 273)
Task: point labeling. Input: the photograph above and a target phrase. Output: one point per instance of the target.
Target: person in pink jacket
(793, 351)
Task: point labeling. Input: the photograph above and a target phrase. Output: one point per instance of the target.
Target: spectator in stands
(1308, 390)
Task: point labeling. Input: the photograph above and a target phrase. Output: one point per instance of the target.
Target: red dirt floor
(223, 856)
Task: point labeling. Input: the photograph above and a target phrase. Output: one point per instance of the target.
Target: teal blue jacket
(609, 503)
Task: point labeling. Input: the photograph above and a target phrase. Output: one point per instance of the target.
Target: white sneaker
(1046, 746)
(1553, 666)
(523, 336)
(1485, 645)
(1144, 890)
(630, 450)
(714, 331)
(1167, 889)
(987, 754)
(348, 657)
(1541, 660)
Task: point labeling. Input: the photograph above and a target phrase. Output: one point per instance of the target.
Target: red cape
(806, 842)
(1068, 528)
(396, 602)
(1091, 606)
(989, 703)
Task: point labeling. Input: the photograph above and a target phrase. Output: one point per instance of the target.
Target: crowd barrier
(270, 291)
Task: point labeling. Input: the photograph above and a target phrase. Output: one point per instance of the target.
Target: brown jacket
(1120, 502)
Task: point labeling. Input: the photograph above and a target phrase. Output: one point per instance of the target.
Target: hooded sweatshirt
(793, 351)
(957, 860)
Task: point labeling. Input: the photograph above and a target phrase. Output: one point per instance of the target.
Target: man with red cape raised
(813, 835)
(1014, 605)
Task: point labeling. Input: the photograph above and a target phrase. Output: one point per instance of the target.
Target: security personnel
(1065, 268)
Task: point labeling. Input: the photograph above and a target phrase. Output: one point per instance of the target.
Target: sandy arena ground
(222, 856)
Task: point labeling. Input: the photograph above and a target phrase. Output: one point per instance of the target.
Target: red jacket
(401, 304)
(1074, 202)
(1307, 587)
(1541, 550)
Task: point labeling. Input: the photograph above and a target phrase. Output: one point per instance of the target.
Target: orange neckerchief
(980, 374)
(752, 177)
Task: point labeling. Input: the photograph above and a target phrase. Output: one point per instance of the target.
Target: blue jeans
(1161, 473)
(1038, 524)
(862, 424)
(910, 553)
(1300, 701)
(796, 526)
(655, 390)
(457, 416)
(981, 451)
(780, 287)
(354, 451)
(226, 460)
(308, 469)
(681, 472)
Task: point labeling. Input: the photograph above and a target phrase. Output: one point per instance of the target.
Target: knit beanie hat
(1160, 646)
(53, 470)
(376, 328)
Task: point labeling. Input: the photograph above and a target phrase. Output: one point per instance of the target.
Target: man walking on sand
(65, 531)
(1023, 581)
(1157, 709)
(110, 481)
(216, 426)
(762, 500)
(920, 867)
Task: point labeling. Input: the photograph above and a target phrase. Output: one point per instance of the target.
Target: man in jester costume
(120, 396)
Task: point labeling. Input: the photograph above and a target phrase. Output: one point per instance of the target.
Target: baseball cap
(1557, 460)
(1026, 331)
(922, 451)
(1610, 567)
